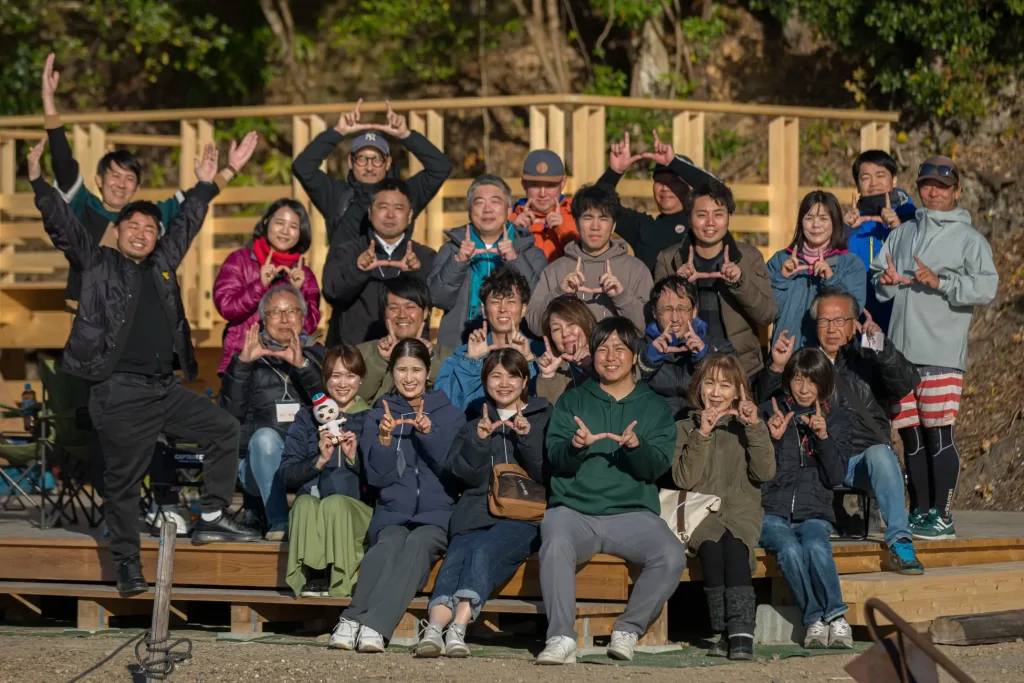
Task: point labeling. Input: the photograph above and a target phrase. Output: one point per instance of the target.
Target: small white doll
(328, 414)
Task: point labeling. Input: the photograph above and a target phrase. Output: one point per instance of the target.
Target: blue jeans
(479, 561)
(804, 554)
(877, 471)
(260, 474)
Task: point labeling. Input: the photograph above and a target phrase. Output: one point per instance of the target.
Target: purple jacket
(237, 293)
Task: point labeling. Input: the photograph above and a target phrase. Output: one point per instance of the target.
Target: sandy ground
(51, 658)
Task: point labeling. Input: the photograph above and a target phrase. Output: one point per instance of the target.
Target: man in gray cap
(345, 203)
(545, 211)
(935, 269)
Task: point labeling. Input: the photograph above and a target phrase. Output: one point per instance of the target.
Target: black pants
(725, 562)
(129, 412)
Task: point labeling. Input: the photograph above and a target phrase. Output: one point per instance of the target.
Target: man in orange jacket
(545, 210)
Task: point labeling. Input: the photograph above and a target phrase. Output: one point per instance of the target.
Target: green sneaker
(934, 528)
(915, 519)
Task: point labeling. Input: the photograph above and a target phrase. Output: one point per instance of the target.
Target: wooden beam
(978, 629)
(875, 135)
(538, 128)
(688, 135)
(435, 209)
(318, 225)
(8, 167)
(580, 147)
(783, 179)
(596, 134)
(556, 131)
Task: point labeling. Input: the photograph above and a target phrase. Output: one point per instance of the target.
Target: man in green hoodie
(608, 443)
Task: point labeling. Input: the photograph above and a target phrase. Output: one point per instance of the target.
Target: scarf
(261, 248)
(481, 266)
(804, 431)
(810, 256)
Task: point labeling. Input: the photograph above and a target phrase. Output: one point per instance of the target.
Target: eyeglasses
(278, 313)
(372, 159)
(825, 323)
(668, 310)
(944, 171)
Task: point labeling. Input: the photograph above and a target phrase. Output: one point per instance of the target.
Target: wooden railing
(31, 277)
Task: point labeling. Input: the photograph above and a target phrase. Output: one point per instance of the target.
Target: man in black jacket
(128, 336)
(345, 203)
(274, 376)
(870, 372)
(357, 268)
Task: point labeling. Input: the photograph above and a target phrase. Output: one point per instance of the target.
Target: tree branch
(607, 27)
(279, 18)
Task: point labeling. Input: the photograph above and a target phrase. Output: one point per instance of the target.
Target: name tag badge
(287, 410)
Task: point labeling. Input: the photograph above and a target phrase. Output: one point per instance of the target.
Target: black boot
(221, 530)
(129, 578)
(740, 616)
(716, 610)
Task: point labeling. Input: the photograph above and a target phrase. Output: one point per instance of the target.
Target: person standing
(128, 336)
(545, 212)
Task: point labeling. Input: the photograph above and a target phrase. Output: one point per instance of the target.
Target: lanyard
(284, 378)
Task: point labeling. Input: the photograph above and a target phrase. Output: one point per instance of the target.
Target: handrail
(279, 110)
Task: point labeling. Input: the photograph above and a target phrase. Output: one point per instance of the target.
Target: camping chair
(19, 450)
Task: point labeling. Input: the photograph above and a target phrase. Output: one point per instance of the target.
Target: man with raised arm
(345, 204)
(127, 339)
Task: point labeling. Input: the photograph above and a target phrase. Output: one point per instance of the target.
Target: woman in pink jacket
(273, 255)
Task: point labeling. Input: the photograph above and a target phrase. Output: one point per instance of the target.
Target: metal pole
(162, 597)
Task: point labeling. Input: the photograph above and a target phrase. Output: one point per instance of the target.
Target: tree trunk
(652, 60)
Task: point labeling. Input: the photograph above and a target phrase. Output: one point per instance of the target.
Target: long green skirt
(329, 532)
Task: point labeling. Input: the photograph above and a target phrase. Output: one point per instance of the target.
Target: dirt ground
(51, 657)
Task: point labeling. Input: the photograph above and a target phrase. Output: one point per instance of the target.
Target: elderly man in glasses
(276, 373)
(935, 269)
(345, 204)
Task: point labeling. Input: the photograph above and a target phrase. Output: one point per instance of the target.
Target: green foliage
(721, 144)
(611, 82)
(817, 137)
(826, 177)
(702, 36)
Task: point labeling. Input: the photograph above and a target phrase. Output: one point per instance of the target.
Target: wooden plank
(538, 124)
(978, 629)
(783, 179)
(457, 188)
(556, 131)
(238, 194)
(435, 208)
(18, 204)
(318, 225)
(19, 232)
(8, 168)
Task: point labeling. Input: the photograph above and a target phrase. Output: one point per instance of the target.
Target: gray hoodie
(930, 326)
(631, 271)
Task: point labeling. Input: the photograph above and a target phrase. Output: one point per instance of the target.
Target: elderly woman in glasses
(276, 373)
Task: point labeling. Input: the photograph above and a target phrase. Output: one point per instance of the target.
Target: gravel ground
(54, 657)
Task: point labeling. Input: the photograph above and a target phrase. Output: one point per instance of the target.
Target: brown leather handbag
(513, 495)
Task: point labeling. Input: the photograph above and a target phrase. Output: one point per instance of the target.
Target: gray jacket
(450, 281)
(930, 326)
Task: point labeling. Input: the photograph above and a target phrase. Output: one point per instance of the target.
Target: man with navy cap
(345, 203)
(545, 211)
(674, 176)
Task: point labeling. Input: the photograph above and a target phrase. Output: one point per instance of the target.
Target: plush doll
(328, 414)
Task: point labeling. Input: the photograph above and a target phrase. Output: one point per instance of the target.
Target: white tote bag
(683, 511)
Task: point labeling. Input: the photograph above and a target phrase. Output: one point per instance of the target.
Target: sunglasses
(943, 171)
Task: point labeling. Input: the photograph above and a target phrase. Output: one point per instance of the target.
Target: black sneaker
(719, 648)
(315, 588)
(221, 530)
(741, 648)
(129, 578)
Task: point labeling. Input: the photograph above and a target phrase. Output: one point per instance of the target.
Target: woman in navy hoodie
(404, 445)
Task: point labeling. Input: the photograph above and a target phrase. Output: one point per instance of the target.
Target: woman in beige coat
(721, 441)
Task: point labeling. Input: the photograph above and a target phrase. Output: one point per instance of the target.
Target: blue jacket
(459, 376)
(302, 450)
(793, 295)
(421, 494)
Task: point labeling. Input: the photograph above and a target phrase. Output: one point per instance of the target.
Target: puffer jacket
(802, 486)
(551, 241)
(421, 493)
(250, 391)
(237, 292)
(110, 283)
(302, 450)
(471, 460)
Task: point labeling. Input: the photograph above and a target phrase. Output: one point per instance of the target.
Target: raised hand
(792, 266)
(778, 423)
(484, 428)
(731, 272)
(424, 337)
(583, 437)
(348, 444)
(252, 349)
(386, 344)
(747, 409)
(520, 425)
(35, 156)
(870, 327)
(520, 343)
(573, 281)
(694, 343)
(620, 158)
(609, 283)
(853, 218)
(667, 342)
(526, 218)
(663, 153)
(548, 362)
(239, 153)
(890, 276)
(293, 352)
(268, 271)
(349, 122)
(297, 275)
(505, 248)
(816, 422)
(628, 438)
(467, 250)
(422, 422)
(409, 262)
(821, 267)
(386, 427)
(477, 346)
(708, 419)
(206, 164)
(689, 271)
(396, 123)
(782, 351)
(50, 80)
(925, 275)
(889, 217)
(553, 219)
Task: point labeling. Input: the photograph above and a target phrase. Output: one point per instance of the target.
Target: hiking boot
(558, 650)
(369, 640)
(903, 559)
(621, 645)
(430, 644)
(277, 533)
(935, 528)
(129, 578)
(741, 647)
(840, 635)
(221, 530)
(719, 648)
(816, 636)
(455, 642)
(315, 588)
(343, 637)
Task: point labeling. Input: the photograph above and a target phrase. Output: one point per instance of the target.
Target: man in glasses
(345, 204)
(935, 269)
(275, 375)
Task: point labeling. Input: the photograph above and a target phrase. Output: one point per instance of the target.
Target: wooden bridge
(33, 274)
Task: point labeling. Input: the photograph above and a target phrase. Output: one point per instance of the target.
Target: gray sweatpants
(391, 572)
(570, 539)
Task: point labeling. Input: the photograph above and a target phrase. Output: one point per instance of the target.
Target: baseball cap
(693, 175)
(543, 165)
(941, 169)
(371, 139)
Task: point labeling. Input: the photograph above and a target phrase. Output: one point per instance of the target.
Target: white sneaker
(558, 650)
(370, 640)
(840, 635)
(816, 636)
(621, 645)
(343, 637)
(155, 519)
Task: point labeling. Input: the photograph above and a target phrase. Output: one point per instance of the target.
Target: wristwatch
(305, 364)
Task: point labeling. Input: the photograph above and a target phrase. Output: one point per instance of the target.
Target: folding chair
(23, 455)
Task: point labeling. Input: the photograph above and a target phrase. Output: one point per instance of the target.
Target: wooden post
(8, 167)
(580, 146)
(418, 123)
(162, 597)
(874, 135)
(203, 244)
(92, 616)
(186, 178)
(556, 131)
(688, 135)
(97, 146)
(435, 209)
(83, 153)
(538, 127)
(317, 256)
(783, 179)
(596, 130)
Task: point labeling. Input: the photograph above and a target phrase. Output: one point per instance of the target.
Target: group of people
(589, 357)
